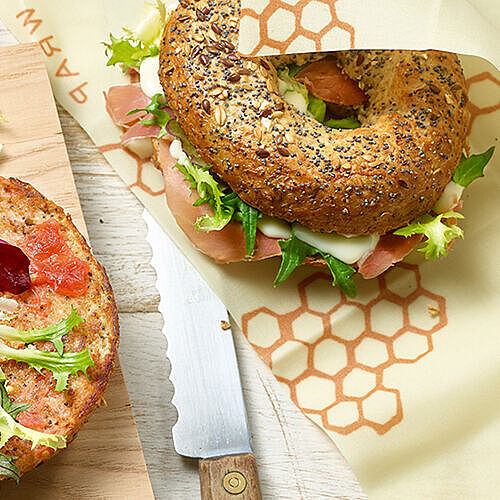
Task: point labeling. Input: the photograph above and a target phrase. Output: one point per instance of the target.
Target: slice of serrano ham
(389, 250)
(121, 99)
(224, 246)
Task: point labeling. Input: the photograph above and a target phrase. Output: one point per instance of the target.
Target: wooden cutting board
(106, 460)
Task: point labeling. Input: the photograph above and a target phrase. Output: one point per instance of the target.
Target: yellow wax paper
(405, 378)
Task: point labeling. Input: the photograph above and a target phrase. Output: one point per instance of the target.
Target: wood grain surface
(106, 459)
(295, 459)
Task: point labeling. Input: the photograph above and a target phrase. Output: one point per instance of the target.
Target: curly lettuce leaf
(53, 333)
(350, 122)
(439, 235)
(128, 52)
(471, 168)
(9, 427)
(61, 367)
(295, 251)
(209, 192)
(2, 118)
(8, 467)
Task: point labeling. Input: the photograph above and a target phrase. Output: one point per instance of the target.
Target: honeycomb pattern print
(331, 352)
(288, 26)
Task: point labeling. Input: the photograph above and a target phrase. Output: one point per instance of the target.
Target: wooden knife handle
(233, 477)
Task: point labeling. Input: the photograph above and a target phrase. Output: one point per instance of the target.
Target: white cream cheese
(346, 249)
(274, 228)
(150, 81)
(176, 151)
(449, 198)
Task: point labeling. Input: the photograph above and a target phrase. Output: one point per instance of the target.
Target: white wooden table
(296, 460)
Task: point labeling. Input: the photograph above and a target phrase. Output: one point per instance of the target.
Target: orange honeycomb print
(331, 352)
(288, 26)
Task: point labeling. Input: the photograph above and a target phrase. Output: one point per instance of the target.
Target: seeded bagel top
(282, 161)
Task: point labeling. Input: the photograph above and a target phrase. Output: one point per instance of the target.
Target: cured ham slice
(224, 246)
(139, 131)
(389, 250)
(325, 80)
(121, 99)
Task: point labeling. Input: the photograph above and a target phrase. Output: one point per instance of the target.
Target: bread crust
(22, 206)
(369, 180)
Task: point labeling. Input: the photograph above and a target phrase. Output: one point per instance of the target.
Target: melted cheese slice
(347, 249)
(274, 228)
(449, 198)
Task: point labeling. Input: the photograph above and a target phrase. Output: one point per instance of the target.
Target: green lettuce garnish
(295, 251)
(61, 367)
(247, 215)
(9, 427)
(8, 467)
(128, 52)
(161, 117)
(349, 122)
(471, 168)
(315, 106)
(209, 192)
(439, 235)
(53, 333)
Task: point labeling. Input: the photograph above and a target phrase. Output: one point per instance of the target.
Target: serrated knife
(212, 421)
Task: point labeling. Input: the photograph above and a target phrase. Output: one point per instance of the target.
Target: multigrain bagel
(55, 412)
(369, 180)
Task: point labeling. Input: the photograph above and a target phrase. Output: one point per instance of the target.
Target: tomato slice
(52, 261)
(325, 80)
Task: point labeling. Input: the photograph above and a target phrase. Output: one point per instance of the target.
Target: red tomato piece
(53, 262)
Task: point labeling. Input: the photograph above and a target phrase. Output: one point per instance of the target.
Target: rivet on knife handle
(230, 477)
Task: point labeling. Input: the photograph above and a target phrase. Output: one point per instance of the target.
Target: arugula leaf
(349, 122)
(128, 51)
(9, 468)
(293, 69)
(317, 108)
(53, 333)
(295, 251)
(161, 117)
(341, 273)
(472, 167)
(9, 427)
(61, 367)
(247, 215)
(439, 235)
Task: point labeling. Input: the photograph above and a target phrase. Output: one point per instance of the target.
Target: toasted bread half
(21, 208)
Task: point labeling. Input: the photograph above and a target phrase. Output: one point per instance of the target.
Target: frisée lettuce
(439, 235)
(140, 42)
(10, 427)
(53, 333)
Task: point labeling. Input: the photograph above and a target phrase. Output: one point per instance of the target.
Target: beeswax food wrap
(405, 378)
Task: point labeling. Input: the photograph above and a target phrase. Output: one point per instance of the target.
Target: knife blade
(212, 422)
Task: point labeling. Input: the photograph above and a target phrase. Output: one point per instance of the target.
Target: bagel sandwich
(58, 329)
(348, 159)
